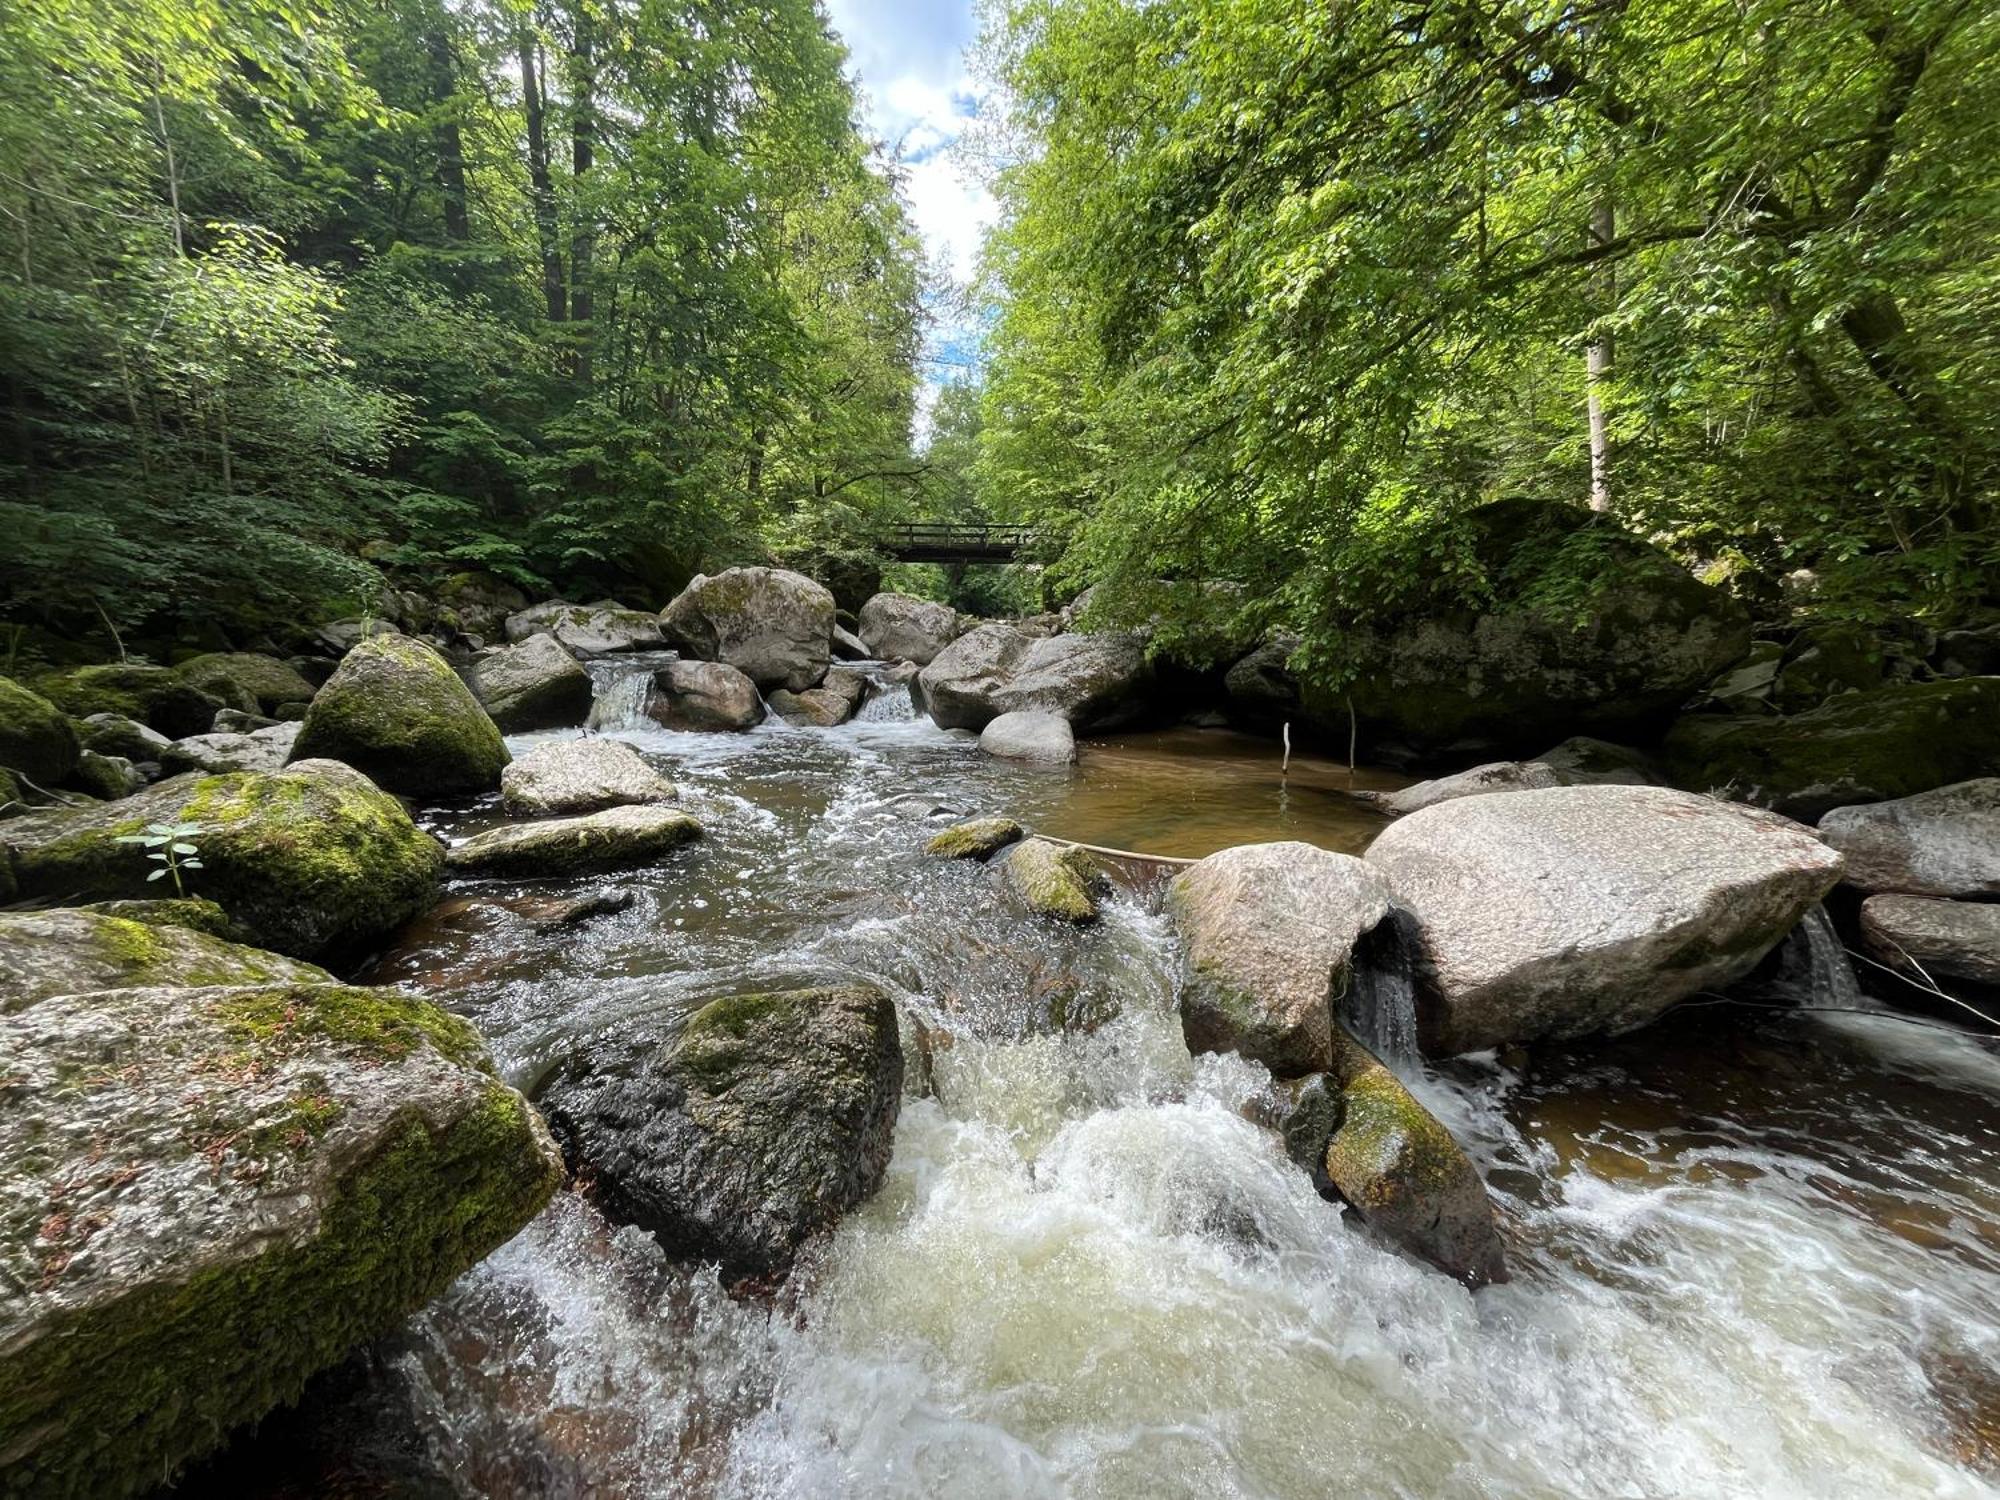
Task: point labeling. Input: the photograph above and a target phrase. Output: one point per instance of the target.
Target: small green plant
(170, 848)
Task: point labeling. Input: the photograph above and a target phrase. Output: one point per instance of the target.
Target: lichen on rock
(1055, 880)
(397, 713)
(975, 838)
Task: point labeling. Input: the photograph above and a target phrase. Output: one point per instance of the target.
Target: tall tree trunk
(538, 181)
(1876, 327)
(445, 135)
(583, 138)
(1597, 358)
(173, 171)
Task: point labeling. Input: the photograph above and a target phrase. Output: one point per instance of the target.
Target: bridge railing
(958, 541)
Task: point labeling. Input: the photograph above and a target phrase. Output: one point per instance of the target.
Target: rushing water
(1756, 1254)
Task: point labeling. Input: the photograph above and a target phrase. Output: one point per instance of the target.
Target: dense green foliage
(1284, 286)
(585, 293)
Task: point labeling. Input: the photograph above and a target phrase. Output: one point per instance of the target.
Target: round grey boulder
(704, 695)
(896, 627)
(1938, 843)
(581, 776)
(1093, 681)
(1043, 738)
(772, 625)
(1942, 941)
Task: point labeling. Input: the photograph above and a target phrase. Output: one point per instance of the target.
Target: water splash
(1380, 1007)
(888, 705)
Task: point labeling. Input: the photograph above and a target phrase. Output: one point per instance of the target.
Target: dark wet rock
(71, 951)
(232, 676)
(602, 629)
(156, 696)
(338, 637)
(1890, 742)
(773, 626)
(254, 1181)
(397, 713)
(106, 777)
(1055, 880)
(478, 604)
(262, 750)
(1368, 1142)
(1094, 681)
(1826, 661)
(619, 838)
(704, 695)
(1261, 688)
(1968, 653)
(1747, 686)
(536, 684)
(1269, 932)
(1926, 938)
(1944, 842)
(114, 734)
(581, 776)
(976, 838)
(36, 738)
(896, 627)
(1039, 737)
(312, 861)
(769, 1117)
(1574, 910)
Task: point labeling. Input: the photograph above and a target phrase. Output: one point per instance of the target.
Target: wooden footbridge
(958, 542)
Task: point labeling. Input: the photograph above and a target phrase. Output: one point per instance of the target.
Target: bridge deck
(969, 542)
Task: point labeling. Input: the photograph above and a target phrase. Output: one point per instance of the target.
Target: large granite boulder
(313, 861)
(36, 738)
(209, 1194)
(232, 676)
(69, 950)
(156, 696)
(1367, 1142)
(1043, 739)
(774, 626)
(704, 695)
(619, 838)
(1261, 688)
(1889, 742)
(581, 776)
(1517, 672)
(1944, 842)
(1582, 909)
(764, 1121)
(397, 713)
(896, 627)
(536, 684)
(1269, 932)
(260, 750)
(1096, 682)
(1943, 942)
(602, 629)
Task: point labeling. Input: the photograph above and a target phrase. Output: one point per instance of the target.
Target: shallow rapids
(1756, 1254)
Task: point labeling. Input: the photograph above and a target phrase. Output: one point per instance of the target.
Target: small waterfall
(621, 685)
(1828, 978)
(1380, 1007)
(888, 705)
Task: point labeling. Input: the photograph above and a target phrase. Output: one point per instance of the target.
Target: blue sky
(908, 56)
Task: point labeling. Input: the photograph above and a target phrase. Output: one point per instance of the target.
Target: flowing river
(1756, 1253)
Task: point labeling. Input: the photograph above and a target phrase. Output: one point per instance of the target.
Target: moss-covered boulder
(1368, 1142)
(975, 838)
(36, 739)
(11, 801)
(155, 696)
(313, 861)
(114, 734)
(397, 713)
(765, 1120)
(106, 777)
(619, 838)
(71, 951)
(193, 912)
(1891, 741)
(233, 675)
(1055, 880)
(207, 1195)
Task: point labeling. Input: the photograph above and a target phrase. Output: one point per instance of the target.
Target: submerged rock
(768, 1118)
(1054, 880)
(896, 627)
(70, 951)
(581, 776)
(1270, 931)
(976, 838)
(774, 626)
(1044, 738)
(534, 685)
(1368, 1142)
(231, 676)
(397, 713)
(1889, 742)
(313, 861)
(1573, 910)
(260, 750)
(704, 695)
(616, 839)
(36, 738)
(153, 695)
(1938, 843)
(206, 1195)
(1942, 941)
(1093, 681)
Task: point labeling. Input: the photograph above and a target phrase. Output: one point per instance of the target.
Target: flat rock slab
(582, 776)
(765, 1120)
(68, 951)
(260, 750)
(619, 838)
(1944, 940)
(1573, 910)
(207, 1195)
(1938, 843)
